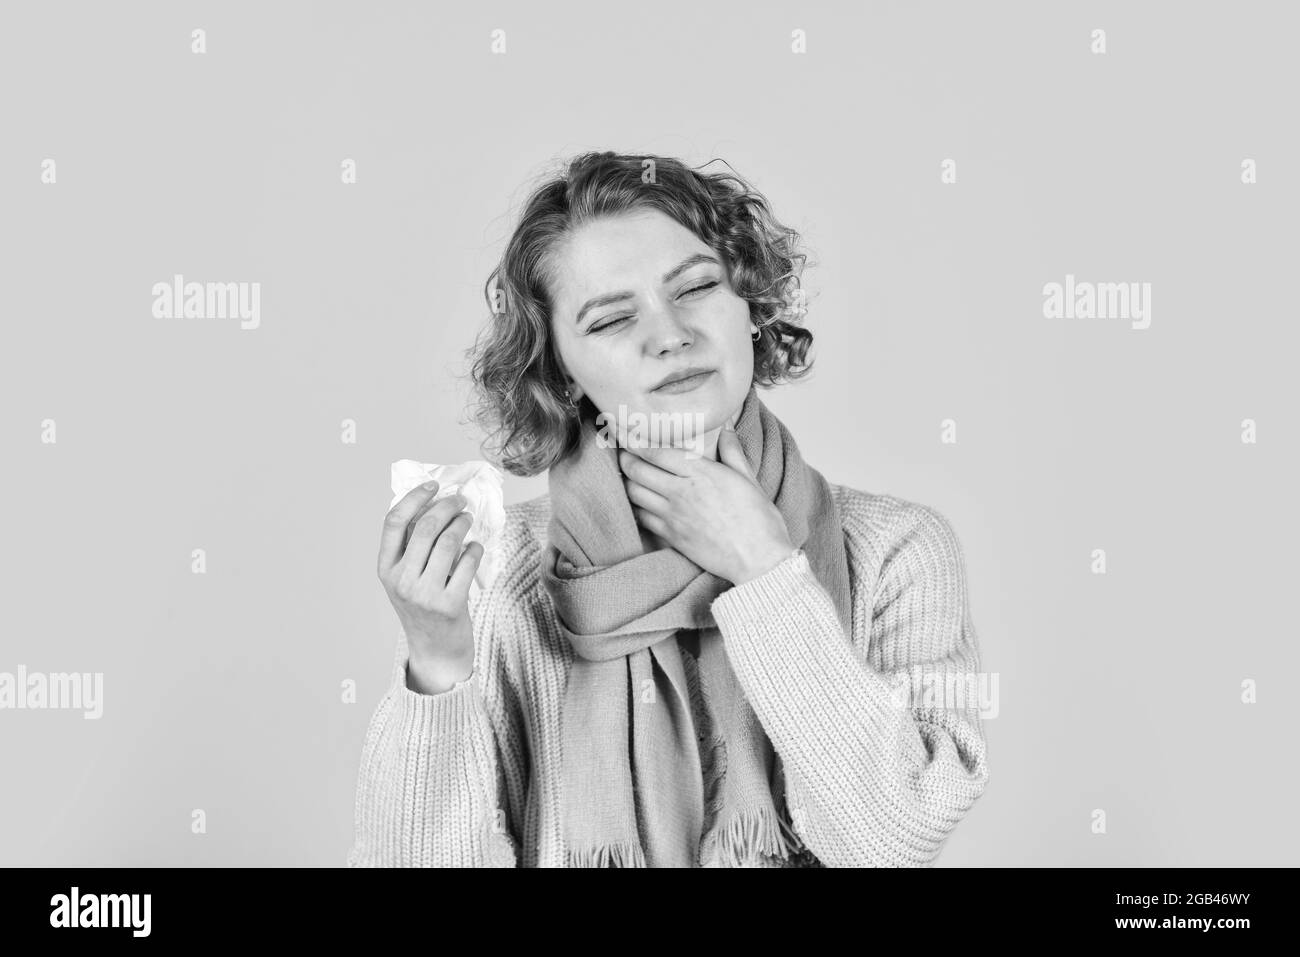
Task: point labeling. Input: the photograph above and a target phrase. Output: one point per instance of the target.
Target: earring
(572, 405)
(757, 332)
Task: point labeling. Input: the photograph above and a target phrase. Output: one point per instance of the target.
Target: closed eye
(609, 325)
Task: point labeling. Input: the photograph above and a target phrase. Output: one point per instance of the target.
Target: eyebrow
(669, 276)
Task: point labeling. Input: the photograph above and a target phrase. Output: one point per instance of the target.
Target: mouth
(685, 381)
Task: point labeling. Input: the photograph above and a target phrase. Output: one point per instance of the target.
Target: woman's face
(638, 297)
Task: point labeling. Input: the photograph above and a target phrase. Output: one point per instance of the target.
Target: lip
(687, 378)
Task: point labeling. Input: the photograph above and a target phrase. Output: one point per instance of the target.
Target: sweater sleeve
(876, 774)
(442, 776)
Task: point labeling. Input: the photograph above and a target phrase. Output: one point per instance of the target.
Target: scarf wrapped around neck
(632, 765)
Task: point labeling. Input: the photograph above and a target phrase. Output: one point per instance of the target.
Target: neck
(706, 445)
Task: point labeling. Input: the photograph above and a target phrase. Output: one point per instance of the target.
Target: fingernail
(429, 485)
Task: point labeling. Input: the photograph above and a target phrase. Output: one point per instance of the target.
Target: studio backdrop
(1051, 251)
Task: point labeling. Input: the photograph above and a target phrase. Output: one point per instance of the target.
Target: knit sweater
(874, 774)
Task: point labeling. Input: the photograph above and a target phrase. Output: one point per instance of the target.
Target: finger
(424, 510)
(647, 474)
(463, 574)
(651, 522)
(393, 540)
(425, 531)
(638, 494)
(446, 550)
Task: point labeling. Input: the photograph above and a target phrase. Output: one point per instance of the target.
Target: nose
(669, 332)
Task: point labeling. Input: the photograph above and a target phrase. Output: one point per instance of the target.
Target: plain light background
(223, 691)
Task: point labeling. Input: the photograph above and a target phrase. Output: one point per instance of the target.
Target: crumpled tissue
(481, 485)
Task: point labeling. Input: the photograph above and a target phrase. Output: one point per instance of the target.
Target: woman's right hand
(427, 580)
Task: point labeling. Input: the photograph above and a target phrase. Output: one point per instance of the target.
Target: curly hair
(516, 371)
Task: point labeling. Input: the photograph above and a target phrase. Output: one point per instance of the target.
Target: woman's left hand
(714, 513)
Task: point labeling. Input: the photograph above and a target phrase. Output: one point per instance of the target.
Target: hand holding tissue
(481, 485)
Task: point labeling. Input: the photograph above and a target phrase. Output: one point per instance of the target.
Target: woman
(696, 654)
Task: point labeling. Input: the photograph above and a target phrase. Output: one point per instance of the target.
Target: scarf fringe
(627, 854)
(748, 834)
(794, 843)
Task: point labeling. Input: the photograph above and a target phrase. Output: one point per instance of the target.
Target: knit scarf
(632, 764)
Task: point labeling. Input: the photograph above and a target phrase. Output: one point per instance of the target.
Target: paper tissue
(480, 483)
